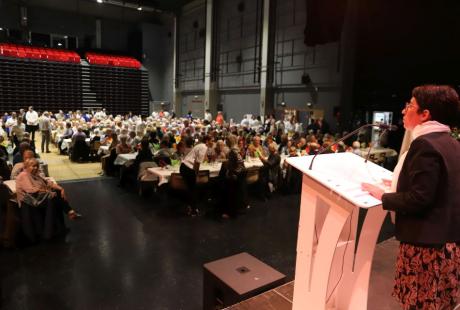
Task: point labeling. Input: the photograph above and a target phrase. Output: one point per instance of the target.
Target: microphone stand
(370, 146)
(322, 150)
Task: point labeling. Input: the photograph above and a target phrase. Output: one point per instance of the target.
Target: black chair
(80, 151)
(9, 217)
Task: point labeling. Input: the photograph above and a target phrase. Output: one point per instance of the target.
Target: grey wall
(238, 43)
(194, 103)
(239, 34)
(236, 105)
(294, 59)
(158, 48)
(191, 49)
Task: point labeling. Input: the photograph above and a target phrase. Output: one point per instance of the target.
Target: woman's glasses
(408, 106)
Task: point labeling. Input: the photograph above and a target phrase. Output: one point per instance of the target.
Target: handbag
(36, 199)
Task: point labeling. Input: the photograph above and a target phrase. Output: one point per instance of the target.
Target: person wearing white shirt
(208, 115)
(190, 167)
(32, 122)
(10, 122)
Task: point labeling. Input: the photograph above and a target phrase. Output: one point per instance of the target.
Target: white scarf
(419, 130)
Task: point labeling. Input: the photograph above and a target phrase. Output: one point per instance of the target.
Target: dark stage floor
(134, 253)
(130, 253)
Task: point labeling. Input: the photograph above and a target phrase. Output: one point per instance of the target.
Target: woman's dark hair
(441, 100)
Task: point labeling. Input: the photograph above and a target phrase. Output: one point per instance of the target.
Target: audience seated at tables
(42, 203)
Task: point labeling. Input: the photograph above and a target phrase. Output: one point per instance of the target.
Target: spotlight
(59, 44)
(100, 1)
(1, 29)
(139, 8)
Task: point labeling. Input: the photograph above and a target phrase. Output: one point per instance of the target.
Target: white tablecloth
(123, 158)
(164, 174)
(378, 151)
(66, 143)
(104, 149)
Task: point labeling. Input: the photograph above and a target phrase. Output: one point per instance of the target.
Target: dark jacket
(427, 198)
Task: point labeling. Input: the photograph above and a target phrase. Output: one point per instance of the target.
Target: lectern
(333, 260)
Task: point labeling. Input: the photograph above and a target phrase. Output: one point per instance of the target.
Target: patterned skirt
(427, 278)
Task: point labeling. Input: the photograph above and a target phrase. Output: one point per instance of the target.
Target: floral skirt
(427, 278)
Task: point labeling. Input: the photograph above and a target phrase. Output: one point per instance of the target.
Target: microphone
(388, 127)
(385, 128)
(322, 150)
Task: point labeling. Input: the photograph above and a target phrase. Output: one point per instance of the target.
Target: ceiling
(125, 10)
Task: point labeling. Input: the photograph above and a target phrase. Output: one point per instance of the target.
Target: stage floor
(381, 284)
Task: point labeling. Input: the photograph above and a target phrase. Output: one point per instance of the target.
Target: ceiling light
(139, 8)
(99, 1)
(1, 29)
(59, 44)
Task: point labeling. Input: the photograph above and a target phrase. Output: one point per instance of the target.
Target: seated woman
(221, 151)
(132, 170)
(19, 167)
(42, 203)
(123, 147)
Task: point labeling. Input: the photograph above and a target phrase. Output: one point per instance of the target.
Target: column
(177, 96)
(266, 79)
(210, 86)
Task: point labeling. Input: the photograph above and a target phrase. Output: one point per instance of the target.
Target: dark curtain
(324, 21)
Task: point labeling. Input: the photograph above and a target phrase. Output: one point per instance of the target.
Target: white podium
(332, 266)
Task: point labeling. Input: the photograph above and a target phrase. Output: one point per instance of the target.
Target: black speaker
(306, 80)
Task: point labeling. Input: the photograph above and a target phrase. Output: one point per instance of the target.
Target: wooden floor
(62, 169)
(381, 284)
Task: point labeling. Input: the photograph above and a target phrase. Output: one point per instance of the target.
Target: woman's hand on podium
(373, 190)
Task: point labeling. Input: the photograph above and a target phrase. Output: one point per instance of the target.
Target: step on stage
(279, 298)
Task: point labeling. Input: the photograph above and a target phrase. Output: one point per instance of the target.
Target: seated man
(79, 149)
(68, 133)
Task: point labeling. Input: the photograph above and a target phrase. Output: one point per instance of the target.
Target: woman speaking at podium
(426, 200)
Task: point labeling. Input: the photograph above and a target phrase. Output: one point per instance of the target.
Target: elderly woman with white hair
(42, 204)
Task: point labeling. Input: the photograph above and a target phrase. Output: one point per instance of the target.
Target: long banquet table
(164, 173)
